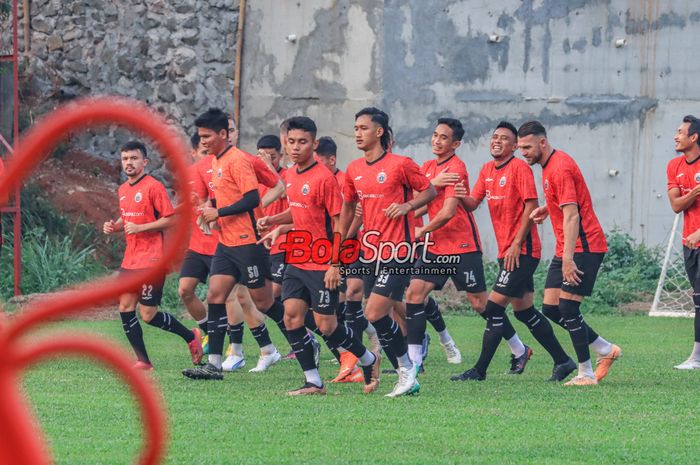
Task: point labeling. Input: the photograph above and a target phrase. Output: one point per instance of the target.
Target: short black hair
(381, 118)
(194, 140)
(694, 127)
(302, 123)
(508, 126)
(532, 128)
(455, 125)
(214, 119)
(270, 141)
(134, 145)
(326, 147)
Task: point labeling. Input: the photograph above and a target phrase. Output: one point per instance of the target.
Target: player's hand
(264, 223)
(265, 157)
(461, 190)
(270, 238)
(396, 210)
(420, 232)
(108, 227)
(570, 272)
(539, 214)
(210, 214)
(132, 228)
(332, 278)
(511, 260)
(443, 178)
(695, 191)
(692, 240)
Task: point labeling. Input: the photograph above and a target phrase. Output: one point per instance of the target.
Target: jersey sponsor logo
(361, 196)
(138, 197)
(381, 177)
(305, 189)
(488, 195)
(297, 205)
(502, 181)
(128, 214)
(211, 185)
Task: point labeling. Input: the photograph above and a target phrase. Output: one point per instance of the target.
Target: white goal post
(674, 294)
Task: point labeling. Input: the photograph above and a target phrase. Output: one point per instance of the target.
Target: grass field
(644, 412)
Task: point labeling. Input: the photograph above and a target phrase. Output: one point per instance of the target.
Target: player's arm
(284, 217)
(345, 220)
(270, 238)
(160, 224)
(247, 203)
(448, 210)
(572, 221)
(680, 202)
(273, 194)
(396, 210)
(511, 260)
(355, 225)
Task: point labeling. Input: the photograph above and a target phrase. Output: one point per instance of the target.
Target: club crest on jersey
(219, 173)
(138, 197)
(697, 177)
(305, 189)
(502, 181)
(381, 177)
(546, 183)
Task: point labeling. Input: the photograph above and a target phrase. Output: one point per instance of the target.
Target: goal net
(674, 295)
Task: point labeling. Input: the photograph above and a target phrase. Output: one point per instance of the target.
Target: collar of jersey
(509, 160)
(139, 179)
(228, 147)
(445, 161)
(307, 168)
(370, 163)
(691, 162)
(550, 157)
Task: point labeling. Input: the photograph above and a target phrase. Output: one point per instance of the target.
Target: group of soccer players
(387, 230)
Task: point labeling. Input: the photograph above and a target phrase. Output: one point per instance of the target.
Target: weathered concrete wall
(612, 108)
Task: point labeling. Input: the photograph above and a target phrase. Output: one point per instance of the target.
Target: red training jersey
(389, 179)
(460, 234)
(278, 206)
(201, 183)
(144, 201)
(340, 177)
(265, 176)
(506, 188)
(685, 176)
(563, 184)
(314, 199)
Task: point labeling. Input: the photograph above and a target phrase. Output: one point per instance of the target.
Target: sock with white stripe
(169, 323)
(493, 333)
(134, 334)
(542, 331)
(216, 329)
(577, 327)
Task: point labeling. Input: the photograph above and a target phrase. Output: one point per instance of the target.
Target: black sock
(203, 326)
(276, 313)
(169, 323)
(216, 328)
(552, 312)
(434, 316)
(415, 323)
(495, 315)
(577, 328)
(311, 325)
(343, 337)
(261, 335)
(300, 340)
(390, 334)
(355, 317)
(508, 330)
(696, 301)
(340, 313)
(235, 333)
(134, 334)
(542, 331)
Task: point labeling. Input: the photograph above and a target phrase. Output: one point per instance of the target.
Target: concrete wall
(612, 108)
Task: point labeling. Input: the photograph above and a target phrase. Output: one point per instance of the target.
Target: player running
(314, 205)
(146, 212)
(683, 173)
(580, 248)
(508, 186)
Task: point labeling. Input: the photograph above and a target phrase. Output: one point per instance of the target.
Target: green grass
(645, 412)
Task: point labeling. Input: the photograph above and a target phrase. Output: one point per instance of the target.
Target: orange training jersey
(234, 176)
(314, 199)
(278, 206)
(143, 202)
(685, 176)
(389, 179)
(563, 184)
(506, 188)
(460, 234)
(200, 180)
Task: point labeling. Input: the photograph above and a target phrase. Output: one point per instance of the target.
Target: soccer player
(508, 185)
(314, 204)
(237, 258)
(580, 248)
(146, 212)
(384, 184)
(683, 192)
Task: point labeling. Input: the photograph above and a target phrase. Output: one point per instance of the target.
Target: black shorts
(391, 281)
(277, 267)
(308, 286)
(587, 262)
(691, 258)
(467, 271)
(249, 264)
(518, 282)
(196, 265)
(151, 292)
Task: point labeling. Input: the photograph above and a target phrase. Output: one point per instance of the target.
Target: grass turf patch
(644, 412)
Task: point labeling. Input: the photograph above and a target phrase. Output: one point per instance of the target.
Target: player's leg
(256, 322)
(133, 330)
(434, 317)
(235, 359)
(416, 321)
(194, 270)
(692, 267)
(277, 267)
(351, 313)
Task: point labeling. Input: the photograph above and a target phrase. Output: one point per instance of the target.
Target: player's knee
(293, 321)
(186, 293)
(126, 307)
(354, 291)
(147, 313)
(262, 303)
(327, 326)
(215, 296)
(478, 303)
(415, 294)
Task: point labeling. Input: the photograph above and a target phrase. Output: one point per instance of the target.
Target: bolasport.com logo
(385, 257)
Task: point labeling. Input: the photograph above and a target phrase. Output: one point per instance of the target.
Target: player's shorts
(308, 286)
(356, 269)
(691, 258)
(587, 262)
(151, 292)
(469, 269)
(518, 282)
(277, 267)
(249, 264)
(196, 265)
(391, 281)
